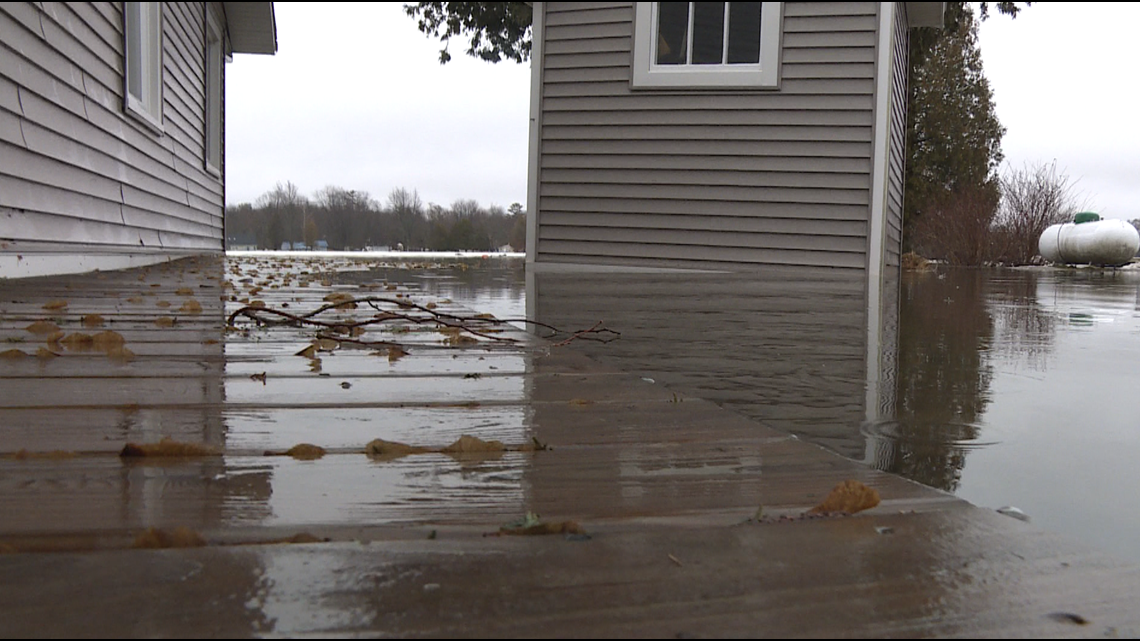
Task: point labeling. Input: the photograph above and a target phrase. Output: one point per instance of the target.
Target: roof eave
(925, 14)
(252, 27)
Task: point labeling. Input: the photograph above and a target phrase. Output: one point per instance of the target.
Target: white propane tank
(1089, 241)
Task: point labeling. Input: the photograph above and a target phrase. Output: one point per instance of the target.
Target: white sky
(356, 98)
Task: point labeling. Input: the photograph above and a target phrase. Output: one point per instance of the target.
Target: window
(681, 45)
(214, 61)
(142, 31)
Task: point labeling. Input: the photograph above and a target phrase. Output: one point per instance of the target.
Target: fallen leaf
(162, 303)
(326, 344)
(42, 327)
(561, 527)
(120, 354)
(78, 341)
(167, 447)
(24, 455)
(107, 339)
(45, 354)
(379, 448)
(305, 451)
(258, 377)
(12, 355)
(55, 304)
(849, 497)
(470, 444)
(164, 321)
(191, 307)
(395, 353)
(179, 537)
(184, 291)
(93, 320)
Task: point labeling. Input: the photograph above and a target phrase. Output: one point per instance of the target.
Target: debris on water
(1069, 617)
(93, 320)
(107, 339)
(884, 529)
(387, 450)
(191, 307)
(303, 451)
(1016, 513)
(12, 355)
(55, 305)
(164, 321)
(259, 377)
(167, 447)
(345, 385)
(179, 537)
(25, 455)
(42, 328)
(470, 444)
(531, 525)
(473, 375)
(849, 497)
(675, 560)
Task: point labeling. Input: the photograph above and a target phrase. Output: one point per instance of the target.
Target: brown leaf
(184, 291)
(107, 339)
(167, 447)
(387, 450)
(849, 497)
(42, 328)
(164, 321)
(395, 353)
(12, 355)
(561, 527)
(55, 304)
(191, 307)
(78, 341)
(310, 351)
(120, 354)
(179, 537)
(93, 320)
(306, 451)
(468, 444)
(24, 455)
(45, 354)
(162, 303)
(326, 344)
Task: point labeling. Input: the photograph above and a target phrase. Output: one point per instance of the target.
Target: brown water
(1004, 387)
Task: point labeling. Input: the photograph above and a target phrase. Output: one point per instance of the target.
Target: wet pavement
(665, 485)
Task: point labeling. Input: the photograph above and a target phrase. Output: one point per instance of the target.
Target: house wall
(896, 167)
(705, 178)
(81, 176)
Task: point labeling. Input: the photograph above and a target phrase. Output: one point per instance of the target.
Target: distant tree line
(347, 219)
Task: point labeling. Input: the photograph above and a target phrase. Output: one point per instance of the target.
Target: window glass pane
(134, 49)
(672, 28)
(744, 32)
(708, 33)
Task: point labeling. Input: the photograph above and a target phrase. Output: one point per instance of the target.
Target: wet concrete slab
(664, 488)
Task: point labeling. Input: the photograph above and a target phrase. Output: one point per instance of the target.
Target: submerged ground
(687, 517)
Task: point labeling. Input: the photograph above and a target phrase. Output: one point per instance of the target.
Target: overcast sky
(356, 98)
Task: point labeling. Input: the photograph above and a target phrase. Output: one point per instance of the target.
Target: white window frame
(142, 62)
(215, 60)
(647, 74)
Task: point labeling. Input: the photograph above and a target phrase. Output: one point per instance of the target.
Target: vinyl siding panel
(81, 174)
(896, 162)
(705, 177)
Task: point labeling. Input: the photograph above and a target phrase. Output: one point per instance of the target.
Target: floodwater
(1012, 387)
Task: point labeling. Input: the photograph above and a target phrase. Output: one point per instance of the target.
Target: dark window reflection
(708, 33)
(672, 28)
(744, 32)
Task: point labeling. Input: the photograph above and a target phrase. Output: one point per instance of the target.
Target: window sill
(134, 109)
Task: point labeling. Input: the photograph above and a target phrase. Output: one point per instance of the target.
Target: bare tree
(1032, 198)
(408, 211)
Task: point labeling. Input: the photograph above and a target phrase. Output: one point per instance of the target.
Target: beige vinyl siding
(697, 178)
(896, 162)
(79, 174)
